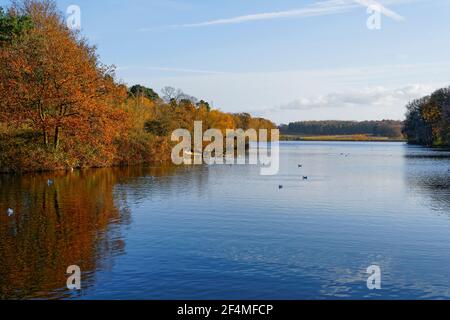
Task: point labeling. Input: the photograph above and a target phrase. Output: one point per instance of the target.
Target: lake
(226, 232)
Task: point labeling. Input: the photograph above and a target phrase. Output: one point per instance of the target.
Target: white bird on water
(10, 212)
(49, 182)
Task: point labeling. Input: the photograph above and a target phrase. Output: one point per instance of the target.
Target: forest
(384, 128)
(428, 120)
(62, 108)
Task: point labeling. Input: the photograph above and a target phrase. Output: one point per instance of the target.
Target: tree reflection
(429, 175)
(74, 219)
(70, 220)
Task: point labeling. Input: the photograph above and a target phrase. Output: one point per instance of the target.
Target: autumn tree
(61, 107)
(52, 81)
(203, 104)
(243, 120)
(428, 119)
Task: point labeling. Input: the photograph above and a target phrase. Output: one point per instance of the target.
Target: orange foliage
(52, 82)
(61, 108)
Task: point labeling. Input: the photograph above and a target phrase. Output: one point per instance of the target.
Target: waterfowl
(280, 187)
(9, 212)
(300, 166)
(305, 178)
(49, 182)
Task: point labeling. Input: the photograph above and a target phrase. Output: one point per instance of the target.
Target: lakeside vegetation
(428, 120)
(61, 108)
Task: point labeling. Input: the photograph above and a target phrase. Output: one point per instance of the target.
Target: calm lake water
(226, 232)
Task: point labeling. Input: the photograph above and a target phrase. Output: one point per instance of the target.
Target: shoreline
(151, 164)
(167, 163)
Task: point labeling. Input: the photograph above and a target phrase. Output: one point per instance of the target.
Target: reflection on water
(429, 174)
(70, 220)
(225, 232)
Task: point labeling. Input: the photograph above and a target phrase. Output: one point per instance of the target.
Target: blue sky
(282, 59)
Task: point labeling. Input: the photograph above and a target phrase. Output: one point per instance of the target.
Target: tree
(12, 26)
(159, 127)
(51, 80)
(416, 129)
(204, 104)
(60, 107)
(428, 119)
(172, 95)
(141, 91)
(243, 120)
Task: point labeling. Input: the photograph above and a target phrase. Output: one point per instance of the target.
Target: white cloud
(265, 92)
(363, 98)
(322, 8)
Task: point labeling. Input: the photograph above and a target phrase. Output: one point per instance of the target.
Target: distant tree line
(428, 120)
(384, 128)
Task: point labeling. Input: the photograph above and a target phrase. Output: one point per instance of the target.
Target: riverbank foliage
(61, 108)
(428, 120)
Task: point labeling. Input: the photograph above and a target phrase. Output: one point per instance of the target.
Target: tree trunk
(44, 131)
(56, 140)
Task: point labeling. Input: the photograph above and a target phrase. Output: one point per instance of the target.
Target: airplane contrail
(377, 6)
(321, 8)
